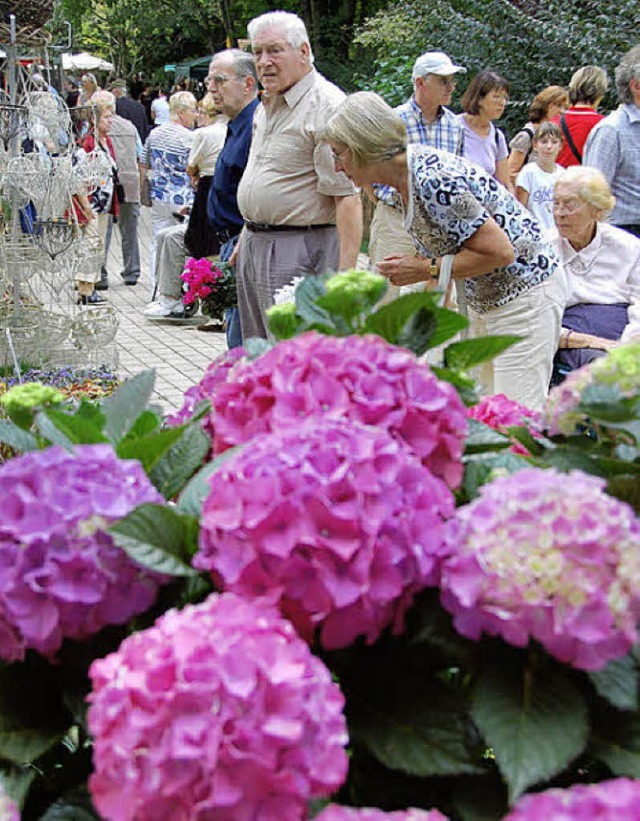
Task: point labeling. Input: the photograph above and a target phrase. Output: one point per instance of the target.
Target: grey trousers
(269, 260)
(128, 225)
(170, 258)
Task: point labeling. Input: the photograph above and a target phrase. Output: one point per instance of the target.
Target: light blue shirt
(613, 147)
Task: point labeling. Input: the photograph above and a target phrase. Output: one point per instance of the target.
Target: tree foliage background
(370, 44)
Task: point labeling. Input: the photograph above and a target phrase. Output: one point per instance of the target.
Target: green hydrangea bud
(22, 400)
(352, 292)
(621, 367)
(283, 322)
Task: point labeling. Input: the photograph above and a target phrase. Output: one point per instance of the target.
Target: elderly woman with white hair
(165, 157)
(461, 219)
(602, 264)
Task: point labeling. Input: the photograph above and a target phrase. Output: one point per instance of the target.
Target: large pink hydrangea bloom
(362, 379)
(217, 711)
(8, 809)
(334, 812)
(61, 576)
(500, 413)
(339, 522)
(548, 556)
(607, 801)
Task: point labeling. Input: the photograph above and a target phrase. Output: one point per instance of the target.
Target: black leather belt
(264, 226)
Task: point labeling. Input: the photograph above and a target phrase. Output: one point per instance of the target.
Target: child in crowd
(534, 183)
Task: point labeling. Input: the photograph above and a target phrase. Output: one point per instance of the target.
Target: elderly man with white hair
(613, 146)
(165, 154)
(428, 122)
(301, 215)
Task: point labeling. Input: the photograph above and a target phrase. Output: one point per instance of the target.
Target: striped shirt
(445, 132)
(613, 147)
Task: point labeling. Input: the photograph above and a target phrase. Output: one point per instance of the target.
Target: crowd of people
(540, 234)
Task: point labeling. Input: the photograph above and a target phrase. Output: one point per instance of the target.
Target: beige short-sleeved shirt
(207, 144)
(290, 178)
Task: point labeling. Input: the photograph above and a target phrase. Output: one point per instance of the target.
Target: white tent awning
(85, 62)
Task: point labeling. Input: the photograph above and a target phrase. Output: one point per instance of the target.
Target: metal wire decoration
(20, 256)
(13, 122)
(48, 120)
(95, 327)
(54, 235)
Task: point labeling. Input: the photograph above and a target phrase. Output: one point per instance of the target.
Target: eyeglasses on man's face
(447, 82)
(218, 79)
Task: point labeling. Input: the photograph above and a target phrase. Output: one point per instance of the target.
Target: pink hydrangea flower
(500, 413)
(216, 373)
(339, 522)
(548, 556)
(61, 576)
(8, 809)
(334, 812)
(217, 711)
(362, 379)
(607, 801)
(620, 368)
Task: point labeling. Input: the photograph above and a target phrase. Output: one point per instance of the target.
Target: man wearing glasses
(301, 215)
(429, 122)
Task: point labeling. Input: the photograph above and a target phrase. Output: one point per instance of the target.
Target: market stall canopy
(85, 62)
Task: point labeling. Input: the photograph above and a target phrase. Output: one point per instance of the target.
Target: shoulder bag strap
(569, 139)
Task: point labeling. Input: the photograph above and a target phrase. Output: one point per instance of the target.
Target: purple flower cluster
(530, 560)
(216, 373)
(607, 801)
(334, 812)
(217, 711)
(8, 810)
(360, 379)
(339, 522)
(61, 576)
(500, 413)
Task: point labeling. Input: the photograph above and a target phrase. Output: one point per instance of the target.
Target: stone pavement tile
(178, 353)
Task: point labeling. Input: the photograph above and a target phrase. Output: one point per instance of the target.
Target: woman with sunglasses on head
(484, 101)
(602, 265)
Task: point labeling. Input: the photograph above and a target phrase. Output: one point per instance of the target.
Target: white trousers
(523, 371)
(161, 217)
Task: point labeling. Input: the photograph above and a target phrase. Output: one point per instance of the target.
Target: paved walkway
(179, 353)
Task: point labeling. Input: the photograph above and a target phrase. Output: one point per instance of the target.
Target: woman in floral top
(455, 211)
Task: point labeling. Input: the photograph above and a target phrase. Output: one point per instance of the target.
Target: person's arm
(515, 161)
(486, 250)
(577, 339)
(602, 150)
(502, 174)
(349, 225)
(522, 195)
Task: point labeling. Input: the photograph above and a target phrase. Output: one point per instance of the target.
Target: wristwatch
(433, 269)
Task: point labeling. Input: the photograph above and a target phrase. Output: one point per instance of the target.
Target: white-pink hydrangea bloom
(548, 556)
(615, 800)
(334, 812)
(217, 711)
(8, 809)
(359, 378)
(339, 522)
